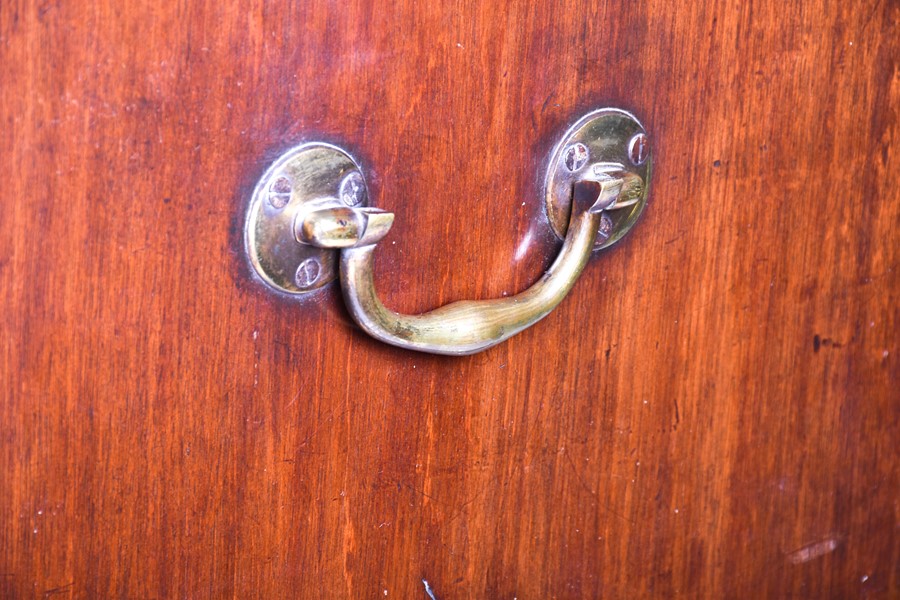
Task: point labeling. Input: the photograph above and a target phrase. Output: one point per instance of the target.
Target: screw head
(353, 189)
(639, 149)
(280, 192)
(575, 157)
(308, 273)
(606, 227)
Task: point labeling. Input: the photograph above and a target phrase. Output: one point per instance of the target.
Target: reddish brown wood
(712, 413)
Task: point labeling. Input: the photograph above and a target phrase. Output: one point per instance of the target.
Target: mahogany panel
(713, 412)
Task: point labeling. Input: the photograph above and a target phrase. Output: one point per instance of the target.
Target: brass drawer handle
(311, 203)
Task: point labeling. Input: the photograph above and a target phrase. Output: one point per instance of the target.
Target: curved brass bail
(468, 326)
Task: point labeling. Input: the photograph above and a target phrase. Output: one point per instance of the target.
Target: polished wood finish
(713, 412)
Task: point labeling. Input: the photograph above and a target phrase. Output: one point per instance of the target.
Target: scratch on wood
(811, 551)
(63, 589)
(428, 590)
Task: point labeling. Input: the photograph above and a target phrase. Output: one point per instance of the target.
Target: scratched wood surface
(712, 413)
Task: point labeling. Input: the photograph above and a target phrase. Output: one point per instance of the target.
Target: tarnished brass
(311, 204)
(468, 327)
(601, 141)
(306, 178)
(340, 227)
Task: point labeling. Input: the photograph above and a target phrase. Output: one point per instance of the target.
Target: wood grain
(714, 411)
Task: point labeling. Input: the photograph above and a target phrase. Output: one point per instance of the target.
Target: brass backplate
(305, 178)
(601, 140)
